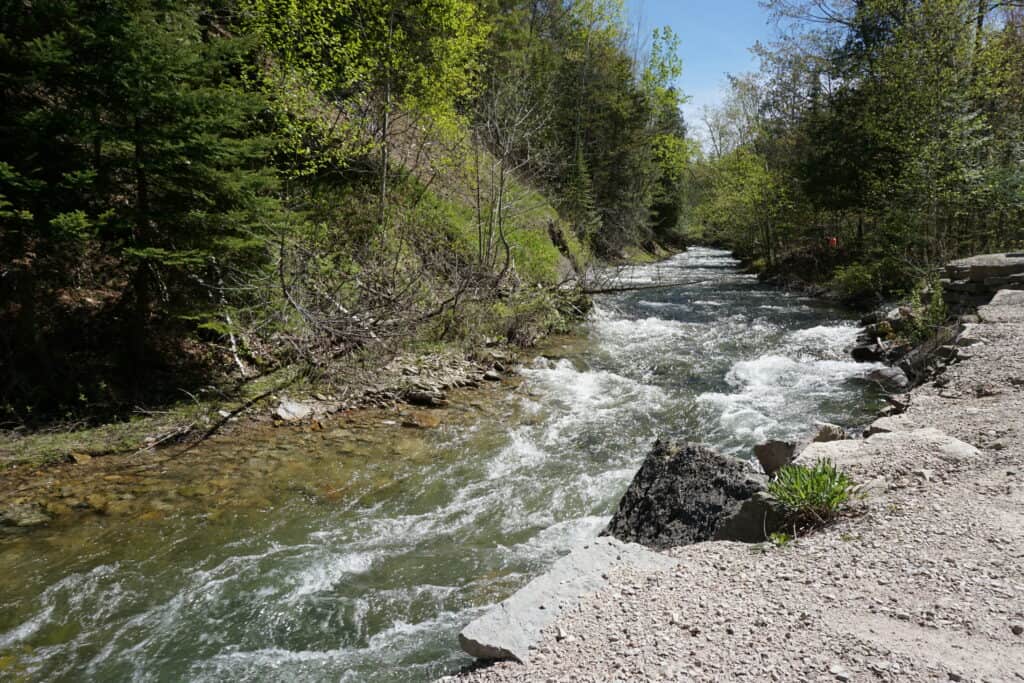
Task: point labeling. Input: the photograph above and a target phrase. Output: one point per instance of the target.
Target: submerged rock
(685, 494)
(23, 515)
(421, 420)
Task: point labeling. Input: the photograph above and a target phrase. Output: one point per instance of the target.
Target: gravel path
(926, 585)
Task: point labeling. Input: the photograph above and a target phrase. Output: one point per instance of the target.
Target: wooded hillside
(202, 189)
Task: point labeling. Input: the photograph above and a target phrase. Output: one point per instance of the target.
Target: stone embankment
(925, 583)
(423, 381)
(969, 283)
(972, 282)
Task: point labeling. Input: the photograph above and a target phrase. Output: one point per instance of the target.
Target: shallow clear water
(356, 554)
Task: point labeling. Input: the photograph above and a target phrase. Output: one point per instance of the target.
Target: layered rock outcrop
(971, 282)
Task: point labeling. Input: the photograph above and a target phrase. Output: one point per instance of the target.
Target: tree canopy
(892, 126)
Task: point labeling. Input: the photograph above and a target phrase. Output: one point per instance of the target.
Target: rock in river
(293, 411)
(774, 455)
(431, 398)
(828, 432)
(890, 378)
(23, 515)
(688, 493)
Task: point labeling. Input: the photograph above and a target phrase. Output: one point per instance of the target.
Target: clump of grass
(811, 496)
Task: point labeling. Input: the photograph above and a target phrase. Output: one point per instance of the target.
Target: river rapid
(356, 554)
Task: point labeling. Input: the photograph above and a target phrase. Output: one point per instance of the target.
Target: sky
(716, 37)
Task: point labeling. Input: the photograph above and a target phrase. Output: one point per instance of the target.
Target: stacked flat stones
(971, 282)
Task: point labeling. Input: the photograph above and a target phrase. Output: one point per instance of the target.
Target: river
(356, 554)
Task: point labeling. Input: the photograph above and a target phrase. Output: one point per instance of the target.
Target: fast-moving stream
(356, 554)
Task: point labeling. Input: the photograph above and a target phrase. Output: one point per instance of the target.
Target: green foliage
(811, 496)
(739, 205)
(609, 139)
(780, 539)
(894, 127)
(857, 282)
(928, 318)
(363, 62)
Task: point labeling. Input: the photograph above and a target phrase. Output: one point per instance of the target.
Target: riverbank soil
(927, 584)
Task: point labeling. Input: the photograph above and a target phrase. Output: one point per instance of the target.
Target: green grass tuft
(811, 496)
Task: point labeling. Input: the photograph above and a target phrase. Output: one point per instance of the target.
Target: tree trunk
(385, 127)
(139, 315)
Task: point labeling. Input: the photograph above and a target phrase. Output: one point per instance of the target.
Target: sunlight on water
(356, 554)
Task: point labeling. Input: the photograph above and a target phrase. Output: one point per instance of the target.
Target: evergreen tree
(130, 137)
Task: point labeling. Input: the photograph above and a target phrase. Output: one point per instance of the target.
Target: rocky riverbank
(150, 468)
(926, 585)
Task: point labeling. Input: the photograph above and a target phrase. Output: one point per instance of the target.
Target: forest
(201, 191)
(879, 139)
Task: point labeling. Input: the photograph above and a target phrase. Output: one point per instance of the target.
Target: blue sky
(716, 36)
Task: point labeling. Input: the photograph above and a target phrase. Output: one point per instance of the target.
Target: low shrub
(930, 316)
(855, 282)
(871, 278)
(811, 496)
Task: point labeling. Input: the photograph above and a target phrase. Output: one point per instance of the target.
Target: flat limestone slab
(985, 266)
(884, 450)
(508, 630)
(893, 423)
(1007, 306)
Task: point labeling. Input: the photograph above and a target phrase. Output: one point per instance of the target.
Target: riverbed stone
(828, 432)
(985, 266)
(23, 515)
(80, 458)
(842, 453)
(431, 398)
(867, 352)
(421, 419)
(1007, 306)
(293, 411)
(890, 378)
(509, 629)
(774, 455)
(891, 423)
(970, 335)
(682, 494)
(755, 520)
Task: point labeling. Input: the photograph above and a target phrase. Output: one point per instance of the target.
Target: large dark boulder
(687, 493)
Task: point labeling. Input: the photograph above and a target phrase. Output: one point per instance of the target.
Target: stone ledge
(1007, 306)
(510, 629)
